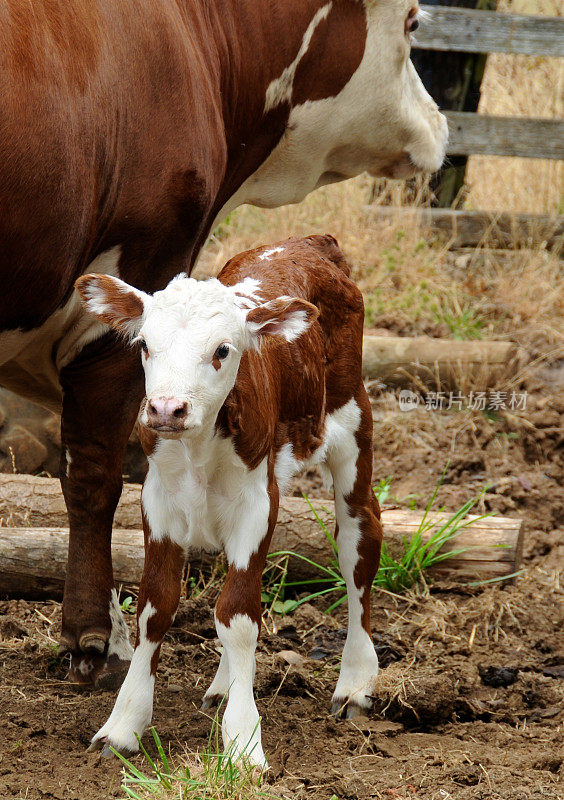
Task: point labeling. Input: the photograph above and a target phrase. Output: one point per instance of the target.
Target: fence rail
(481, 134)
(469, 31)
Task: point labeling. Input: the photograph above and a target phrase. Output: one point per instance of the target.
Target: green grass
(209, 775)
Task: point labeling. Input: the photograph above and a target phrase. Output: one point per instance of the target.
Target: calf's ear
(285, 316)
(114, 302)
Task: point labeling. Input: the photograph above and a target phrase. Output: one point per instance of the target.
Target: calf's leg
(359, 536)
(159, 594)
(238, 623)
(102, 390)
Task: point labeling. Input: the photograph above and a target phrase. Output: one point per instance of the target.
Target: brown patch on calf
(160, 585)
(242, 588)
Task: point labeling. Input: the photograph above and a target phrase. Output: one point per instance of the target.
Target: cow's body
(126, 130)
(217, 482)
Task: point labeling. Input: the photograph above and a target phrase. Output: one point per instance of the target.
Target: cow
(127, 130)
(249, 378)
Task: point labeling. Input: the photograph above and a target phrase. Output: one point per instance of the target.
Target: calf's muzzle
(167, 413)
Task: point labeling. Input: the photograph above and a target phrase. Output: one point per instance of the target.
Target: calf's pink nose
(166, 412)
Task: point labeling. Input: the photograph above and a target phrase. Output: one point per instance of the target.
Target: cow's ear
(286, 316)
(114, 302)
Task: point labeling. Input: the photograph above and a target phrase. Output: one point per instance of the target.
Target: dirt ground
(470, 701)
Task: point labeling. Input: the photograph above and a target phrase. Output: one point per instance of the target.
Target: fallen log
(33, 559)
(397, 360)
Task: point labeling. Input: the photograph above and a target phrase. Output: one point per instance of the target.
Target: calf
(249, 378)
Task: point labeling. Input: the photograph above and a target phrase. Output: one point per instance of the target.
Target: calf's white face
(192, 335)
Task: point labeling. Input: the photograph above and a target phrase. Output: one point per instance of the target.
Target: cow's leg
(238, 622)
(102, 390)
(159, 594)
(359, 536)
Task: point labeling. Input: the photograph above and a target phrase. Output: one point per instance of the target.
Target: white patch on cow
(30, 361)
(68, 459)
(118, 643)
(200, 494)
(280, 90)
(382, 111)
(267, 255)
(220, 684)
(241, 721)
(134, 705)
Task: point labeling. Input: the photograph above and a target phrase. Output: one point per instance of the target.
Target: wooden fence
(465, 30)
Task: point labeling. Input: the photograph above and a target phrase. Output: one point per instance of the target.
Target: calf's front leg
(238, 623)
(159, 595)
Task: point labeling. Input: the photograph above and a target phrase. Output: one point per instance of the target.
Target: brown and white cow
(126, 130)
(249, 378)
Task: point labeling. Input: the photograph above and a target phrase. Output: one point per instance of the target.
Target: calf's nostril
(181, 411)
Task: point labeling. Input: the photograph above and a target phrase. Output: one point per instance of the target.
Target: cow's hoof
(343, 708)
(97, 670)
(211, 701)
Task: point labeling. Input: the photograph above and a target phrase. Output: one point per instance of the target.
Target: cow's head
(354, 101)
(192, 337)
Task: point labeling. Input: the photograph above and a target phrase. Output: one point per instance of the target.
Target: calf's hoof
(212, 701)
(345, 708)
(106, 747)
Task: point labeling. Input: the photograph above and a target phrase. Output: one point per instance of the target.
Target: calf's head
(192, 335)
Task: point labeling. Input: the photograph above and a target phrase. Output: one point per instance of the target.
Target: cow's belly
(30, 361)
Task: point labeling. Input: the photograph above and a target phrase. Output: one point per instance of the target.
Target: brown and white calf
(249, 378)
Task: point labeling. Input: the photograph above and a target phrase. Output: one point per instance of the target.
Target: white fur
(134, 705)
(30, 361)
(266, 256)
(118, 643)
(201, 494)
(241, 721)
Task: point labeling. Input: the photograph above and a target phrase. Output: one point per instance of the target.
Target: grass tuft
(209, 775)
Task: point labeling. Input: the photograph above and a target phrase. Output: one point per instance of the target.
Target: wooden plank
(481, 134)
(33, 560)
(470, 31)
(481, 228)
(397, 360)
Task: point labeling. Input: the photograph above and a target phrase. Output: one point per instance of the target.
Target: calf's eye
(222, 352)
(144, 347)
